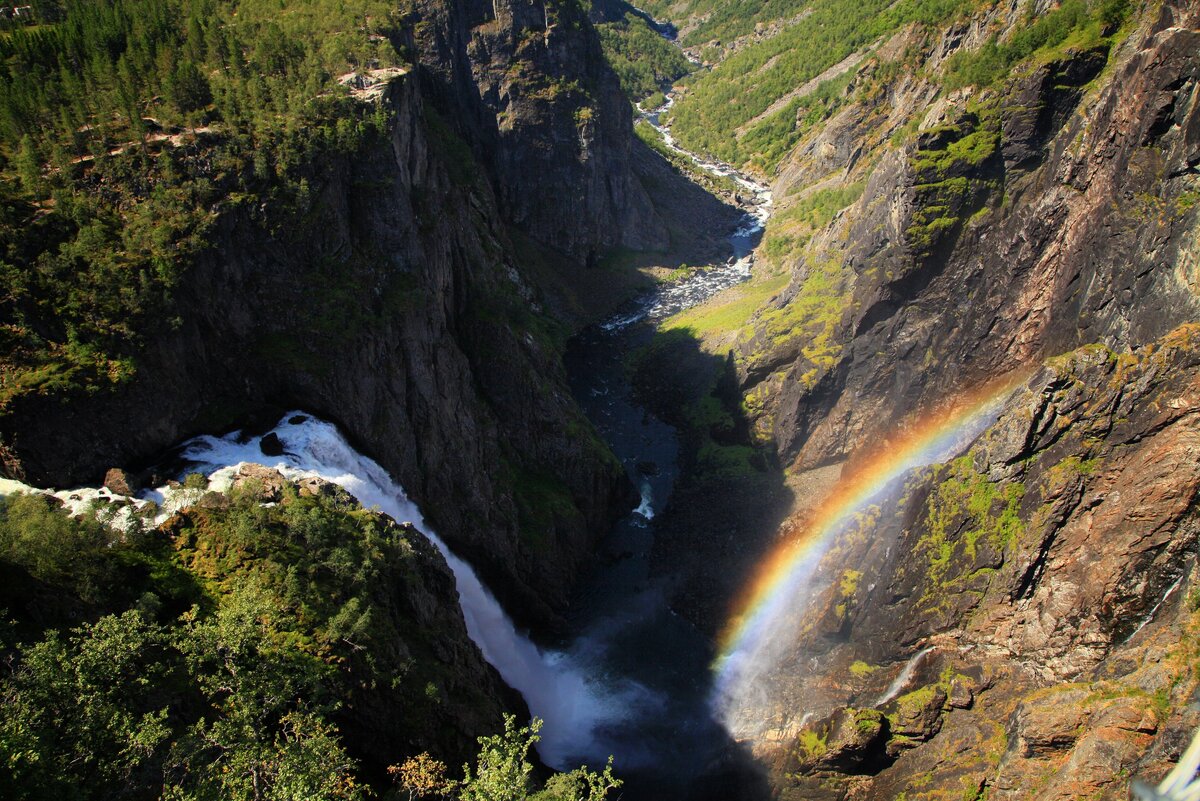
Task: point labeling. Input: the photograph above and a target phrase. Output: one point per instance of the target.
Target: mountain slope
(968, 191)
(364, 214)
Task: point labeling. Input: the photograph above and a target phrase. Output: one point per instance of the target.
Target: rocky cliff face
(398, 301)
(1028, 603)
(1020, 623)
(528, 81)
(1054, 211)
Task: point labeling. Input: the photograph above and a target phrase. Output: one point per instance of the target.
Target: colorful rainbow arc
(932, 438)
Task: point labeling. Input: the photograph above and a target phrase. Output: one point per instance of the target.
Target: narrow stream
(668, 743)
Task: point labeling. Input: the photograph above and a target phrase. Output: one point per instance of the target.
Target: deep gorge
(803, 394)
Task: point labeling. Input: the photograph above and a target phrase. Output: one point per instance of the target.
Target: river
(667, 741)
(633, 679)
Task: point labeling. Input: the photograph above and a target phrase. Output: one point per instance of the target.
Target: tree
(503, 772)
(187, 88)
(29, 166)
(422, 776)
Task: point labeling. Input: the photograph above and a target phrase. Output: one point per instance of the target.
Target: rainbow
(769, 599)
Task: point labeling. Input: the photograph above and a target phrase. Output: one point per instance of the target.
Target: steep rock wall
(1035, 591)
(394, 305)
(1022, 222)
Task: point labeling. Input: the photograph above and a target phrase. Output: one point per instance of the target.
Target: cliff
(399, 292)
(942, 221)
(1028, 604)
(1020, 222)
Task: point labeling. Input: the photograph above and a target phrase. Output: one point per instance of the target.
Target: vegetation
(220, 655)
(812, 745)
(789, 231)
(503, 773)
(734, 112)
(1075, 23)
(713, 183)
(808, 322)
(643, 60)
(748, 109)
(860, 669)
(729, 311)
(125, 126)
(966, 509)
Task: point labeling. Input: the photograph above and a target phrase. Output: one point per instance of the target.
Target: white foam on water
(646, 507)
(559, 688)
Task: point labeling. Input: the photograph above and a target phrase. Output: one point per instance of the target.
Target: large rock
(121, 482)
(405, 307)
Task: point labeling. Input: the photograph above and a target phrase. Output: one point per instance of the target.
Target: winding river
(640, 655)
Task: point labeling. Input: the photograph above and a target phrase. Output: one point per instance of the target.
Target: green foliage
(222, 650)
(642, 59)
(744, 111)
(1075, 23)
(125, 127)
(812, 745)
(503, 772)
(543, 500)
(236, 698)
(789, 230)
(950, 178)
(809, 321)
(729, 312)
(723, 111)
(964, 509)
(82, 565)
(860, 669)
(713, 183)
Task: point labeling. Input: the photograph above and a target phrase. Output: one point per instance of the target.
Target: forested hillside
(764, 94)
(274, 642)
(126, 128)
(216, 210)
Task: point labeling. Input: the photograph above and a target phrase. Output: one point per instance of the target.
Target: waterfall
(574, 703)
(903, 677)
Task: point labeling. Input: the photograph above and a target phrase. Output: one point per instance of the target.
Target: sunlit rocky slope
(982, 191)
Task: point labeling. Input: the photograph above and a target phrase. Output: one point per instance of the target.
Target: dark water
(666, 741)
(667, 745)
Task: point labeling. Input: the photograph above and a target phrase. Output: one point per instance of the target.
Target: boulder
(121, 482)
(271, 445)
(267, 483)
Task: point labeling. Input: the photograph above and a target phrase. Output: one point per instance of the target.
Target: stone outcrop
(403, 301)
(446, 697)
(1024, 221)
(1047, 570)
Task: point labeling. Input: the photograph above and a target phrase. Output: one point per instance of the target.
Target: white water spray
(573, 704)
(903, 678)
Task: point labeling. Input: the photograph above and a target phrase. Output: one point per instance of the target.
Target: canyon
(861, 466)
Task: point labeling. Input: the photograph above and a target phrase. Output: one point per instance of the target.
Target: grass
(860, 669)
(964, 508)
(789, 230)
(1074, 25)
(809, 320)
(728, 313)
